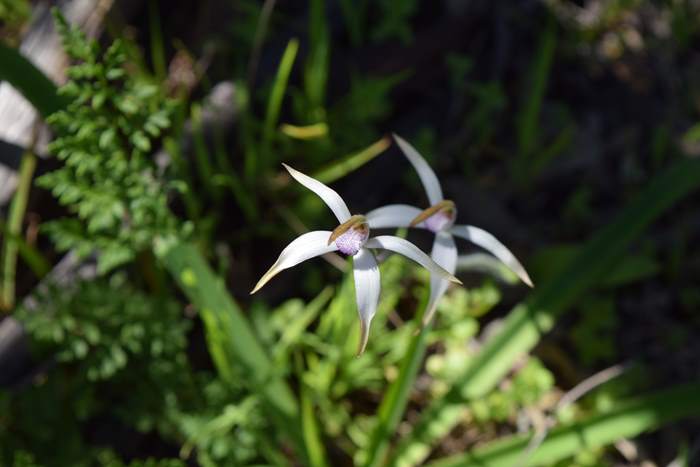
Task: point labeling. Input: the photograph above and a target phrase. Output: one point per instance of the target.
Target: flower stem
(394, 403)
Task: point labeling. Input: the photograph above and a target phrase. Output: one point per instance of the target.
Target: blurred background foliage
(569, 129)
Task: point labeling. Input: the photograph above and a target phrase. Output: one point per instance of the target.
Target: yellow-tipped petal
(306, 246)
(272, 272)
(367, 288)
(410, 251)
(488, 242)
(364, 337)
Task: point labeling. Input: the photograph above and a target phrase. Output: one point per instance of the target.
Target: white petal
(304, 247)
(487, 264)
(410, 251)
(488, 242)
(445, 254)
(394, 215)
(426, 174)
(328, 195)
(367, 286)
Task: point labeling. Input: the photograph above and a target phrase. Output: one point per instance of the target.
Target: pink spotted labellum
(439, 218)
(351, 238)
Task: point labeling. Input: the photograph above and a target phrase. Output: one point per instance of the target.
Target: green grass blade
(540, 159)
(526, 324)
(529, 115)
(274, 104)
(156, 36)
(312, 438)
(184, 173)
(39, 265)
(13, 228)
(202, 158)
(307, 132)
(316, 69)
(231, 178)
(352, 161)
(31, 82)
(627, 420)
(235, 350)
(354, 13)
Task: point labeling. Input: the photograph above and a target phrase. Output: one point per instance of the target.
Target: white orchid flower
(351, 238)
(439, 218)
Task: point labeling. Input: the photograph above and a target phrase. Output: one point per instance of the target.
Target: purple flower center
(441, 220)
(350, 242)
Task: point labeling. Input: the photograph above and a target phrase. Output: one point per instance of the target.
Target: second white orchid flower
(439, 218)
(351, 238)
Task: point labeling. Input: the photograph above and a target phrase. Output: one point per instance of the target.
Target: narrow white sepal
(327, 194)
(392, 216)
(444, 253)
(304, 247)
(486, 263)
(367, 287)
(488, 242)
(426, 174)
(410, 251)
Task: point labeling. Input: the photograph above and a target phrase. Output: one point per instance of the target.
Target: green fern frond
(105, 138)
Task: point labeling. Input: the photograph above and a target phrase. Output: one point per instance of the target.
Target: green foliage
(395, 20)
(277, 93)
(594, 337)
(234, 348)
(107, 458)
(105, 137)
(366, 103)
(13, 10)
(527, 387)
(107, 332)
(13, 14)
(317, 65)
(225, 428)
(121, 352)
(627, 419)
(104, 325)
(24, 459)
(381, 21)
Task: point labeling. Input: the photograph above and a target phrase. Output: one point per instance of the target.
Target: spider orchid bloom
(439, 218)
(351, 238)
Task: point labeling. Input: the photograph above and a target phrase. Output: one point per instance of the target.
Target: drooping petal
(488, 264)
(410, 251)
(488, 242)
(367, 287)
(304, 247)
(444, 253)
(328, 195)
(426, 174)
(393, 215)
